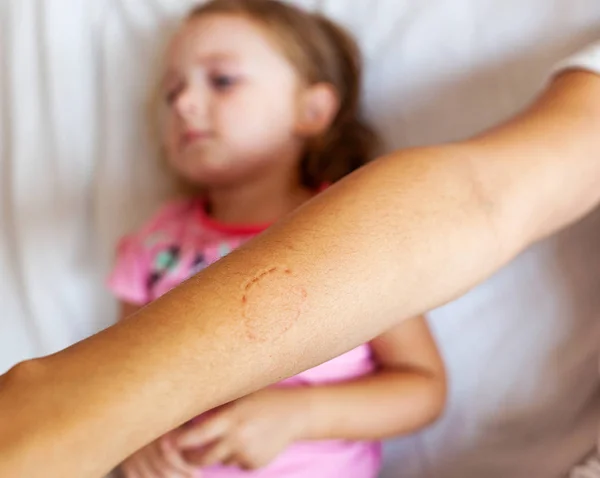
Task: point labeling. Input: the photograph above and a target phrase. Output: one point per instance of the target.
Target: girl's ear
(319, 105)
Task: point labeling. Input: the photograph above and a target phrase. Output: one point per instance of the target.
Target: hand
(248, 433)
(160, 459)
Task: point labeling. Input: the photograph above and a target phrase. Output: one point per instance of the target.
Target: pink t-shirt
(180, 241)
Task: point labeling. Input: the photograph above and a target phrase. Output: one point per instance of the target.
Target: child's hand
(160, 459)
(249, 433)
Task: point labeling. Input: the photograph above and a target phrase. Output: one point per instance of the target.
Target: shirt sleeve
(129, 278)
(587, 59)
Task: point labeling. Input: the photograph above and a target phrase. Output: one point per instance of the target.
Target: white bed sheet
(77, 170)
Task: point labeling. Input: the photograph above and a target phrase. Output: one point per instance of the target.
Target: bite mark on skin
(272, 302)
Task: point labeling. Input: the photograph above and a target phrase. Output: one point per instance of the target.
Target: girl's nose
(190, 102)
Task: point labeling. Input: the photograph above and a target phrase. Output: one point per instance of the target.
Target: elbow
(433, 400)
(428, 406)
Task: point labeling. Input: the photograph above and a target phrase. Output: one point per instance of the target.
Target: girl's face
(232, 102)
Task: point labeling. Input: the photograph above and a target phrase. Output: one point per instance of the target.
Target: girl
(261, 113)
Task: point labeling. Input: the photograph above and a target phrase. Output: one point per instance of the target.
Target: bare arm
(435, 221)
(407, 393)
(127, 309)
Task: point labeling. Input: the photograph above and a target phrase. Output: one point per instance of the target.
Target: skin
(290, 300)
(233, 119)
(409, 389)
(247, 109)
(470, 206)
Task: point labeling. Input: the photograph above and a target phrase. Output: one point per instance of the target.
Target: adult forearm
(401, 236)
(339, 272)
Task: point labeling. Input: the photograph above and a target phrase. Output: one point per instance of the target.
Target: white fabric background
(77, 170)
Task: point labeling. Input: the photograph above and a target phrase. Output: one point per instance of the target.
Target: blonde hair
(322, 52)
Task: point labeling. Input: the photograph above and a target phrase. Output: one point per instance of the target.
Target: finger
(245, 464)
(250, 458)
(174, 458)
(147, 464)
(137, 468)
(160, 466)
(213, 455)
(194, 457)
(204, 433)
(146, 470)
(232, 462)
(129, 470)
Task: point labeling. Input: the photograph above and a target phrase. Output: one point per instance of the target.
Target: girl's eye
(223, 82)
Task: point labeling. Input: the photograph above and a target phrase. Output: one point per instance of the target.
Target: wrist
(306, 413)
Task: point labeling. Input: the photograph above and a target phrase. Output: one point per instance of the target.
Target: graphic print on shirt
(198, 264)
(165, 261)
(169, 260)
